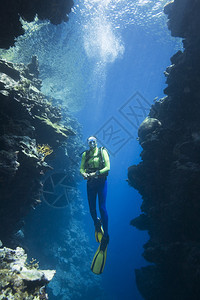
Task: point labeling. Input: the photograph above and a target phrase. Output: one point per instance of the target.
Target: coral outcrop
(169, 173)
(10, 12)
(27, 120)
(20, 280)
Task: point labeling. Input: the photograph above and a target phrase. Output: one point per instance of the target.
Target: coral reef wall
(168, 175)
(29, 131)
(20, 280)
(11, 11)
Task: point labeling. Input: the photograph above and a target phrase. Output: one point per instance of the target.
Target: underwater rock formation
(27, 121)
(168, 175)
(20, 280)
(11, 10)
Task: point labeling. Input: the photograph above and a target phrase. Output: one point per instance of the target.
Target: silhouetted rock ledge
(20, 280)
(168, 177)
(11, 10)
(28, 121)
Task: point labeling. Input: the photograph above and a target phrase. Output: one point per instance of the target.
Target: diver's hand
(85, 175)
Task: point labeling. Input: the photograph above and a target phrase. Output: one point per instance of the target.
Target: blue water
(137, 69)
(108, 58)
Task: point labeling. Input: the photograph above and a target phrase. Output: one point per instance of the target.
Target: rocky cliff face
(20, 280)
(29, 131)
(169, 173)
(11, 11)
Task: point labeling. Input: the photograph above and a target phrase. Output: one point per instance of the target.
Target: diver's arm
(82, 168)
(107, 163)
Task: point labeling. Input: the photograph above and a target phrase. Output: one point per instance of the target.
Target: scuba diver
(95, 165)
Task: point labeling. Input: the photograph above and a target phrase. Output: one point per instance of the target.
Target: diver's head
(92, 142)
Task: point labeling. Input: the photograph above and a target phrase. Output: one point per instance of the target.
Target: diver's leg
(102, 193)
(92, 195)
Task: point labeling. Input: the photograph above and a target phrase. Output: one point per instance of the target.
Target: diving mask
(92, 142)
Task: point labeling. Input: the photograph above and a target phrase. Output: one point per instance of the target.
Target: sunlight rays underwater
(75, 57)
